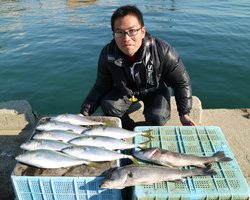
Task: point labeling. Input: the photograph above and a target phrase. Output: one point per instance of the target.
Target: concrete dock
(17, 121)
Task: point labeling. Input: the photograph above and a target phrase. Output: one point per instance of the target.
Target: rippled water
(49, 49)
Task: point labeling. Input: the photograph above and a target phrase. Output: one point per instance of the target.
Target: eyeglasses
(130, 33)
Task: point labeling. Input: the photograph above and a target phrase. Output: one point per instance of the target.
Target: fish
(115, 132)
(54, 125)
(174, 159)
(44, 144)
(95, 154)
(75, 119)
(59, 135)
(131, 175)
(106, 142)
(49, 159)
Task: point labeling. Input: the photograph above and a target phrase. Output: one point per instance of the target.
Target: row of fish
(67, 140)
(58, 140)
(131, 175)
(62, 141)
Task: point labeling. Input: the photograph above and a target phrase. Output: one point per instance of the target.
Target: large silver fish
(169, 158)
(95, 154)
(131, 175)
(115, 132)
(60, 135)
(75, 119)
(49, 159)
(106, 142)
(54, 125)
(44, 144)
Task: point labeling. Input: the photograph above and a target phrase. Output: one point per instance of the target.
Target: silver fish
(54, 125)
(60, 135)
(49, 159)
(131, 175)
(106, 142)
(44, 144)
(169, 158)
(75, 119)
(95, 154)
(115, 132)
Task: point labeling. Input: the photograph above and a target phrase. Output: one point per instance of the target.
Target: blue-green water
(49, 48)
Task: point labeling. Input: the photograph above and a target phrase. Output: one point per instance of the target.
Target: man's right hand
(186, 120)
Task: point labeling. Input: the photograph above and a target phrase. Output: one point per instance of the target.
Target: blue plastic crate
(62, 188)
(229, 183)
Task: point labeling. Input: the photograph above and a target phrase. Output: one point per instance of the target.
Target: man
(137, 66)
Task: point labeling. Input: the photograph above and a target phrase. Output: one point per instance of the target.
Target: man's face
(129, 45)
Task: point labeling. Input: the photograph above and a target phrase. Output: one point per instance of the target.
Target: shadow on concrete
(9, 149)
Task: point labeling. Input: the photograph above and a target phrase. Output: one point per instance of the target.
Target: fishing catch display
(68, 140)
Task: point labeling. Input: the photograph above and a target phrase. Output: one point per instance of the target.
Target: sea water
(49, 48)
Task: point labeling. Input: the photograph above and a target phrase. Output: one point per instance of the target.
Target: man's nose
(126, 37)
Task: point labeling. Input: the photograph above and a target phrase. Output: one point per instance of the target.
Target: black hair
(124, 11)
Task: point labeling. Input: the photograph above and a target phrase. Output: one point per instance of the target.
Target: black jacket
(157, 63)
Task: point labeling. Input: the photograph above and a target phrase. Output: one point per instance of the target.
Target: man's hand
(187, 121)
(83, 114)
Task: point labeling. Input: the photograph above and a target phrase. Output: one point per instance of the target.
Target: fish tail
(148, 134)
(208, 171)
(144, 145)
(221, 157)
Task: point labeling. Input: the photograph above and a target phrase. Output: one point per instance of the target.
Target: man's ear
(143, 31)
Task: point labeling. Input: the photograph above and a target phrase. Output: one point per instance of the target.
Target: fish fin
(92, 164)
(167, 165)
(130, 174)
(148, 134)
(209, 166)
(144, 145)
(106, 124)
(105, 185)
(134, 160)
(208, 171)
(201, 165)
(221, 157)
(181, 180)
(155, 151)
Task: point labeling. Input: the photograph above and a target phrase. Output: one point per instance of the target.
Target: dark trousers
(156, 107)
